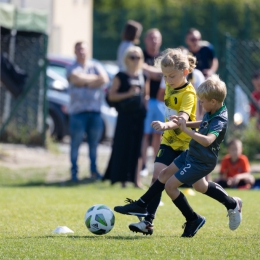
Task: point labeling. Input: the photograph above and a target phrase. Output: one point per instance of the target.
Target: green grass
(31, 210)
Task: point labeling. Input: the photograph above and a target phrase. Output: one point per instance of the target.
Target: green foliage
(31, 210)
(249, 137)
(213, 18)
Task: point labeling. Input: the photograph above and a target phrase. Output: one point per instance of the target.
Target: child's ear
(186, 72)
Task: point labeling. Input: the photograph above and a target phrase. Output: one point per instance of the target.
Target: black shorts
(166, 155)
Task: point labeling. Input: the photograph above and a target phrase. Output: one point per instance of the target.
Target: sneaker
(131, 209)
(191, 227)
(235, 215)
(143, 226)
(144, 172)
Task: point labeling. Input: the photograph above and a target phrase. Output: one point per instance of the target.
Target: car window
(59, 70)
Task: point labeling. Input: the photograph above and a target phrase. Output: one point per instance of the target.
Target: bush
(249, 137)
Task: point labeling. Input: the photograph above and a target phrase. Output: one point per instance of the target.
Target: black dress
(126, 148)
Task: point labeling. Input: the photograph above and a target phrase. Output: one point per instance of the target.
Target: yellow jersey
(177, 100)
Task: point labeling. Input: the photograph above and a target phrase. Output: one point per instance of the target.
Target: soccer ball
(99, 219)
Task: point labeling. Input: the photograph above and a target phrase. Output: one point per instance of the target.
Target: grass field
(31, 210)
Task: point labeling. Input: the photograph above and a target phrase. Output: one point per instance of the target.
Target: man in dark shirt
(207, 61)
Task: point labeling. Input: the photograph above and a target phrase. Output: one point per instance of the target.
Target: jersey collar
(218, 111)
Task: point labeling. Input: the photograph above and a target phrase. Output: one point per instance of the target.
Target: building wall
(69, 21)
(72, 22)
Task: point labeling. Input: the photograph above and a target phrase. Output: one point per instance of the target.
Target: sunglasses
(134, 57)
(194, 39)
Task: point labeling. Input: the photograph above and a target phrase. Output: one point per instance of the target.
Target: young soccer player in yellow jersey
(180, 99)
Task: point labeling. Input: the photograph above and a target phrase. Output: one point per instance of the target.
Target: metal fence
(237, 58)
(242, 59)
(22, 119)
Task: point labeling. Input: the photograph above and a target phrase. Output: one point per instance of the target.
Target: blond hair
(177, 59)
(213, 88)
(133, 49)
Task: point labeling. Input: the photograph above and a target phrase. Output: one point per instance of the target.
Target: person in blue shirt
(194, 164)
(207, 61)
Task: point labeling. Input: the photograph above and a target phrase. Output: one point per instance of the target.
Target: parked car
(58, 100)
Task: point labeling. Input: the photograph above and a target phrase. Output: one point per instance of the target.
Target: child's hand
(158, 126)
(173, 118)
(181, 123)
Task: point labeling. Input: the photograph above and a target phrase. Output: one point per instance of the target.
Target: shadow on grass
(100, 184)
(62, 236)
(67, 183)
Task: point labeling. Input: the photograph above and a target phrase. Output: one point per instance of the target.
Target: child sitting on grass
(235, 168)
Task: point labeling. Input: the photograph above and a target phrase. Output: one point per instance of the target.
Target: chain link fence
(22, 119)
(242, 59)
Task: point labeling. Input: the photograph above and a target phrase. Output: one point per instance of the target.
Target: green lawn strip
(30, 212)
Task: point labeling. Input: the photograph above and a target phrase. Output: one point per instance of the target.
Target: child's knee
(200, 188)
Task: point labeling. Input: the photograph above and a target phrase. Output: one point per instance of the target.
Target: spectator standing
(235, 168)
(86, 78)
(128, 91)
(130, 37)
(207, 61)
(256, 96)
(155, 108)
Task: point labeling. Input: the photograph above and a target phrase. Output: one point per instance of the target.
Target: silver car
(58, 100)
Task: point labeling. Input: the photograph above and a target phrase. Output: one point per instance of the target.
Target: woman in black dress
(129, 91)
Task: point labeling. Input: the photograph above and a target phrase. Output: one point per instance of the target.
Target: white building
(69, 21)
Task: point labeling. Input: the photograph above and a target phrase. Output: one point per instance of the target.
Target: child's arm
(204, 140)
(191, 124)
(162, 126)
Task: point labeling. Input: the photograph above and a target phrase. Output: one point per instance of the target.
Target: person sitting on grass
(194, 164)
(235, 168)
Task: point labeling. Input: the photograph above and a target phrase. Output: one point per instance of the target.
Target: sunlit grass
(31, 210)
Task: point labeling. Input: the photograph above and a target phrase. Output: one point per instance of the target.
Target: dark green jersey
(215, 124)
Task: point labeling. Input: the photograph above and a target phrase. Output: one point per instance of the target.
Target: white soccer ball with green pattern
(99, 219)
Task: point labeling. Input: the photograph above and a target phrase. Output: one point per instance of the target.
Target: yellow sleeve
(188, 102)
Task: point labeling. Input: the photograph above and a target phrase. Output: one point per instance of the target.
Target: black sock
(182, 204)
(152, 208)
(154, 190)
(216, 192)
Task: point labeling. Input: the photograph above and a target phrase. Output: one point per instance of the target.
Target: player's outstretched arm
(162, 126)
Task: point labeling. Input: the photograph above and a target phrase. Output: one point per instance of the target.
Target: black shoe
(191, 227)
(131, 209)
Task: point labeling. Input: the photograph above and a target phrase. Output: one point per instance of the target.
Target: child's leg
(194, 221)
(216, 192)
(158, 186)
(179, 199)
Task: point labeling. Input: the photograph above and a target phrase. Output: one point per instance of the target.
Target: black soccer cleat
(191, 227)
(131, 209)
